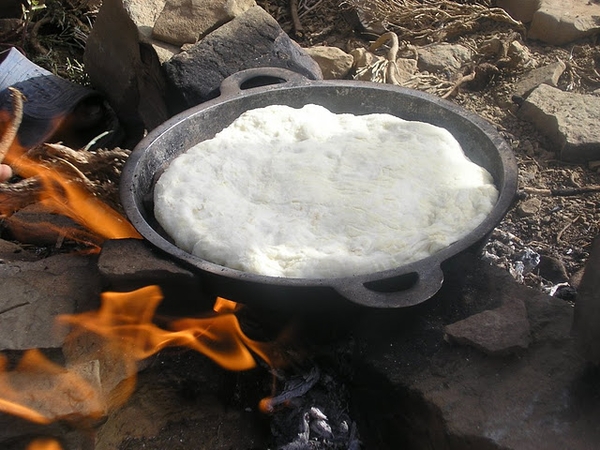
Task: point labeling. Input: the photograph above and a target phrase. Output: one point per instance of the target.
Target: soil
(557, 232)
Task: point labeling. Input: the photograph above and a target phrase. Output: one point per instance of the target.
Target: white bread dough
(305, 193)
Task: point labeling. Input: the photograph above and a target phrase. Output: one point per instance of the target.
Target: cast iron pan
(403, 286)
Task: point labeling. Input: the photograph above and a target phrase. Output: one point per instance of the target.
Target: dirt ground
(562, 228)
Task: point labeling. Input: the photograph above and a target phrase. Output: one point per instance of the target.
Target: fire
(42, 392)
(123, 331)
(126, 318)
(44, 444)
(61, 192)
(62, 195)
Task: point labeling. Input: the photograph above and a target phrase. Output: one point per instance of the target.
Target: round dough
(306, 193)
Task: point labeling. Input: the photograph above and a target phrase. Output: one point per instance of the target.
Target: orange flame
(44, 444)
(127, 318)
(41, 391)
(64, 196)
(62, 193)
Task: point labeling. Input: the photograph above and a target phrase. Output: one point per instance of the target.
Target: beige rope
(15, 122)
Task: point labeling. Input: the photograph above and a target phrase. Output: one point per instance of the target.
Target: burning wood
(63, 180)
(93, 170)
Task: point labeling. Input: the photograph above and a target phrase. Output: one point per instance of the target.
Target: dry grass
(427, 21)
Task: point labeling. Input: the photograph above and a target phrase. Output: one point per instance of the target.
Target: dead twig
(295, 18)
(562, 230)
(381, 69)
(97, 170)
(33, 36)
(463, 79)
(562, 192)
(305, 9)
(96, 165)
(432, 20)
(16, 196)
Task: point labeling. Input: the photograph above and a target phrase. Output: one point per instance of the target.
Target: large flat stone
(434, 394)
(569, 120)
(548, 74)
(129, 264)
(35, 292)
(497, 331)
(559, 22)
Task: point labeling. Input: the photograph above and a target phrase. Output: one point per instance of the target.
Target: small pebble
(529, 207)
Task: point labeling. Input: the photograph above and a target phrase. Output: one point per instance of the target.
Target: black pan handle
(260, 76)
(397, 292)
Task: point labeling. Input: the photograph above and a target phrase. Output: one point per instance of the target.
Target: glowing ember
(41, 391)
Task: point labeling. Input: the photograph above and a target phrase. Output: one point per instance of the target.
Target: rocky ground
(555, 227)
(486, 345)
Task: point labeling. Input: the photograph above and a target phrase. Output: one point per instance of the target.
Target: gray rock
(552, 269)
(187, 21)
(575, 279)
(522, 10)
(251, 40)
(407, 68)
(460, 397)
(549, 74)
(126, 69)
(335, 63)
(443, 57)
(529, 207)
(128, 264)
(511, 54)
(498, 331)
(558, 22)
(569, 120)
(144, 14)
(586, 324)
(10, 251)
(34, 293)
